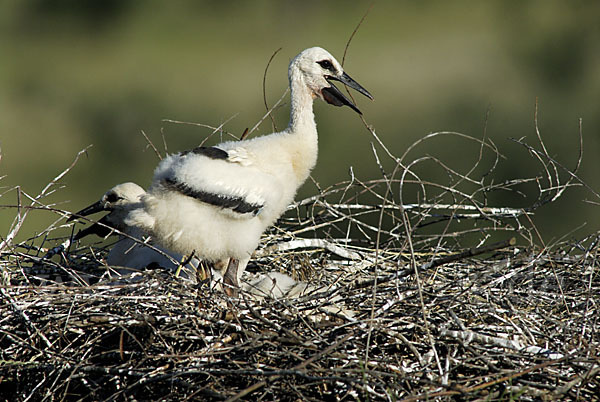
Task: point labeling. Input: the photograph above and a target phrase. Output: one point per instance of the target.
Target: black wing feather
(210, 152)
(236, 204)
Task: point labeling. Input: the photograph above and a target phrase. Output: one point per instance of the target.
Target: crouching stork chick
(217, 201)
(127, 252)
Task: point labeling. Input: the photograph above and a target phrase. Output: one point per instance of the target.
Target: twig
(275, 106)
(468, 336)
(355, 31)
(151, 145)
(25, 317)
(21, 218)
(298, 367)
(265, 87)
(471, 252)
(307, 243)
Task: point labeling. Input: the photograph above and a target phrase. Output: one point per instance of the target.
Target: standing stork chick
(217, 201)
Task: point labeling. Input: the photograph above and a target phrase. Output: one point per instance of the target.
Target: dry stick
(388, 189)
(446, 229)
(588, 300)
(420, 290)
(450, 190)
(495, 211)
(466, 176)
(164, 140)
(558, 189)
(151, 145)
(342, 197)
(19, 222)
(244, 134)
(551, 264)
(467, 336)
(300, 366)
(308, 243)
(471, 252)
(344, 56)
(537, 132)
(354, 32)
(140, 242)
(461, 177)
(486, 384)
(552, 160)
(503, 185)
(265, 87)
(408, 230)
(275, 106)
(34, 391)
(215, 129)
(273, 324)
(484, 137)
(422, 218)
(380, 222)
(580, 156)
(25, 317)
(492, 146)
(567, 387)
(387, 180)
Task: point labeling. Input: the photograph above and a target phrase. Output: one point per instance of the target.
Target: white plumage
(217, 201)
(127, 253)
(118, 202)
(274, 284)
(277, 285)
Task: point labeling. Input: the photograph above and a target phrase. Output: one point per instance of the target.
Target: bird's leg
(230, 281)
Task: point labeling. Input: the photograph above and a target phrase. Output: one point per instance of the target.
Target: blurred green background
(74, 73)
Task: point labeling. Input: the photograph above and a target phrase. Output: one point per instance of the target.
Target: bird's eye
(112, 197)
(326, 64)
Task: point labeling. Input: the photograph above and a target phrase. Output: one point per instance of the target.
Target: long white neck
(302, 130)
(302, 118)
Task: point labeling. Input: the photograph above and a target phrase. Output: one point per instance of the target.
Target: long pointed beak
(92, 209)
(333, 96)
(96, 228)
(347, 80)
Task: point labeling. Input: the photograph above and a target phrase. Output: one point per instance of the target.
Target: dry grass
(438, 302)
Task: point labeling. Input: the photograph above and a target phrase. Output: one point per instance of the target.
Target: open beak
(99, 230)
(92, 209)
(334, 96)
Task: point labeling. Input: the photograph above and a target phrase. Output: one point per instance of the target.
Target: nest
(398, 308)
